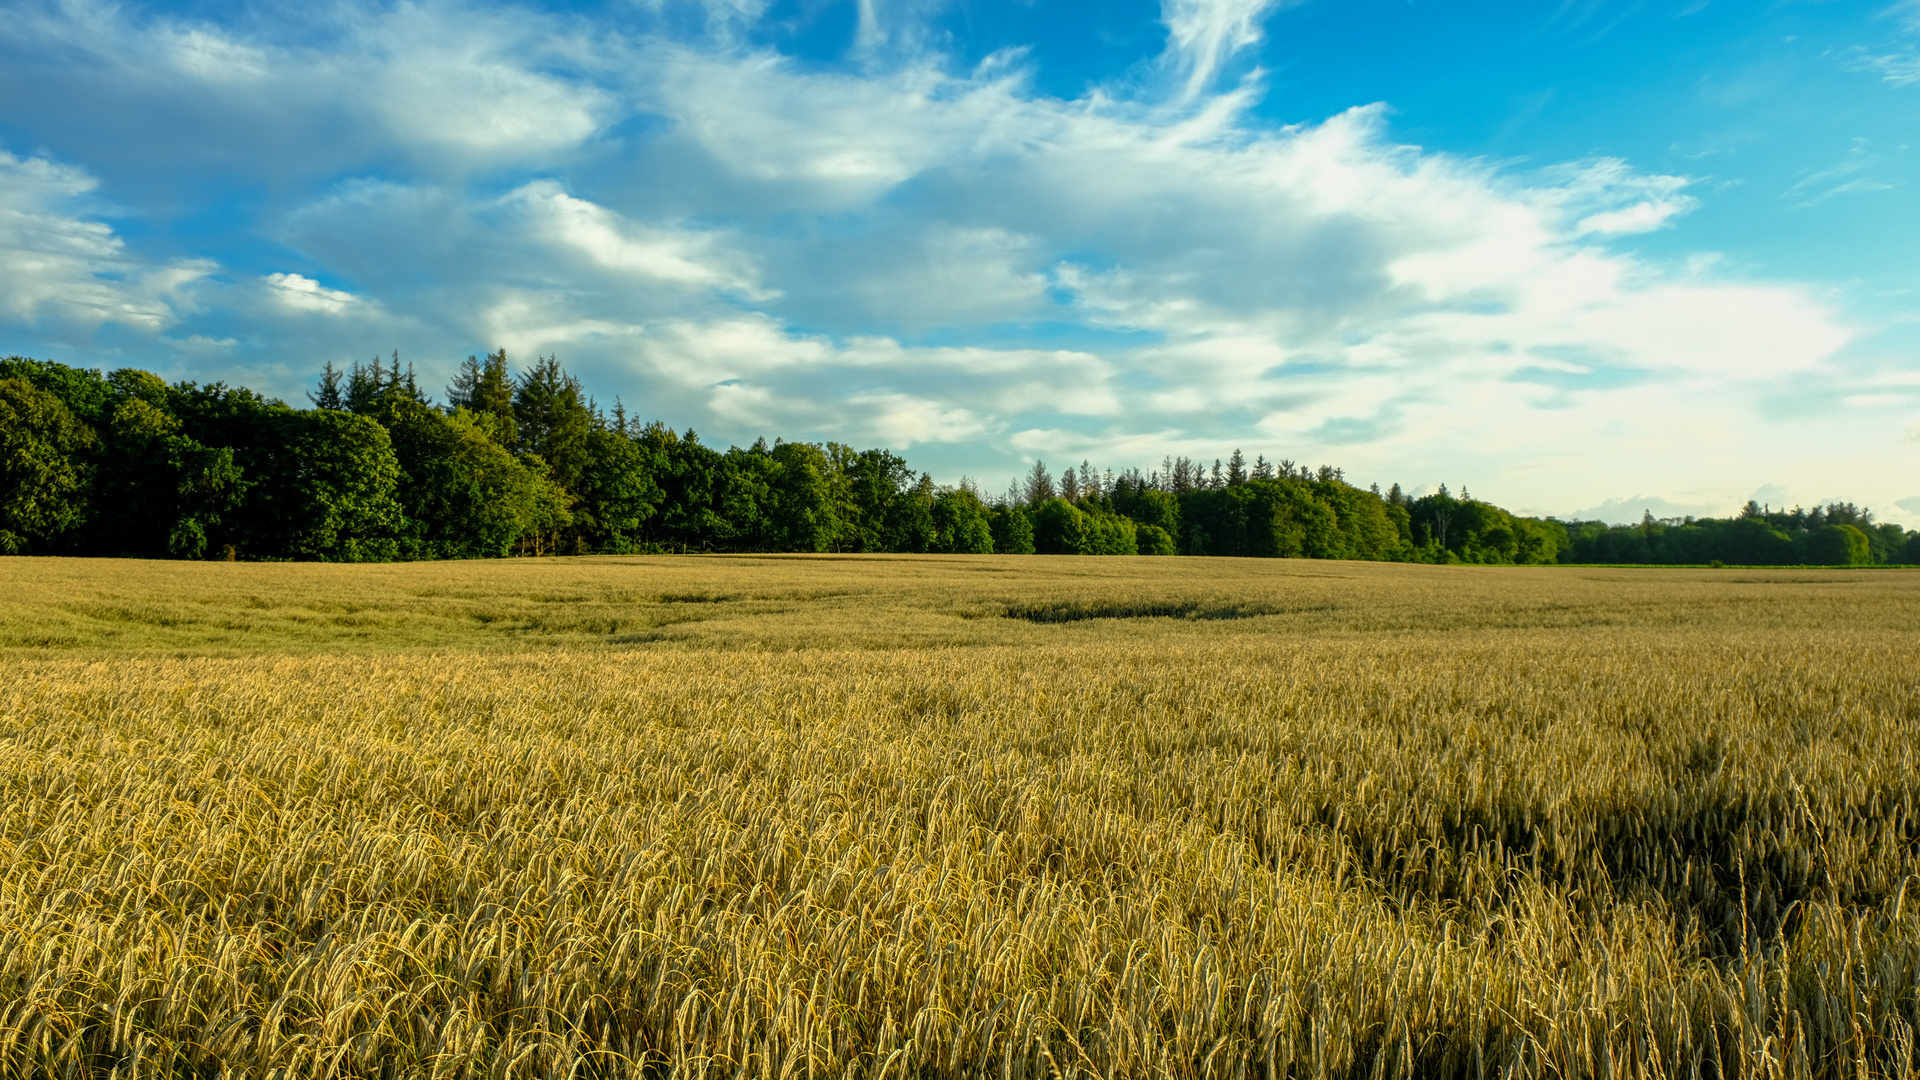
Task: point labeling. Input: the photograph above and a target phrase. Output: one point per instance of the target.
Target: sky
(1587, 258)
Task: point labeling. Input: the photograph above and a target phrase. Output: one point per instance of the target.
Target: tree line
(525, 463)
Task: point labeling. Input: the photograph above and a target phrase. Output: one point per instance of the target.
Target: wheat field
(1023, 817)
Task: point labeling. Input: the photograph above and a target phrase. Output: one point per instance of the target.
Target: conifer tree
(329, 395)
(1039, 485)
(485, 389)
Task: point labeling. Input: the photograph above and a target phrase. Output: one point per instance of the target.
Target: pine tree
(485, 389)
(365, 385)
(329, 395)
(1185, 473)
(465, 381)
(553, 418)
(1039, 485)
(1236, 468)
(412, 384)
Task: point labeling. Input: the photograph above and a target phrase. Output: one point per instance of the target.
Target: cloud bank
(893, 250)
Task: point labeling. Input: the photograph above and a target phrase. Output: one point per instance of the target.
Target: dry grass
(1306, 820)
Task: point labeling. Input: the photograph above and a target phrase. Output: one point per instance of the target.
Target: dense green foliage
(42, 465)
(1840, 534)
(124, 464)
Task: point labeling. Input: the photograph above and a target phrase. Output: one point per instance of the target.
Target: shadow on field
(1081, 610)
(1735, 871)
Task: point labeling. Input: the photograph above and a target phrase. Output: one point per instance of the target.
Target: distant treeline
(125, 464)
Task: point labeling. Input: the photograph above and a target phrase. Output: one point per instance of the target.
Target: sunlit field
(957, 816)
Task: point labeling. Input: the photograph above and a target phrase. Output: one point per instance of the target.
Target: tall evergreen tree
(365, 386)
(331, 393)
(1038, 487)
(485, 389)
(553, 419)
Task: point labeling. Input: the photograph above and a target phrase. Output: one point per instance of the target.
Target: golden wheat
(105, 607)
(1119, 819)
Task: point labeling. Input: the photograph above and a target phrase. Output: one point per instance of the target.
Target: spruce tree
(1039, 485)
(485, 389)
(329, 395)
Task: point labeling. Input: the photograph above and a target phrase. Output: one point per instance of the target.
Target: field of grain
(778, 817)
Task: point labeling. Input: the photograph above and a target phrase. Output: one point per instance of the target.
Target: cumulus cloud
(896, 250)
(297, 293)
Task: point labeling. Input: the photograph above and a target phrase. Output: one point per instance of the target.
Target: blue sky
(1582, 257)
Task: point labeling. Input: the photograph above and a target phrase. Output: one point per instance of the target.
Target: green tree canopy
(44, 471)
(461, 494)
(160, 492)
(962, 524)
(332, 496)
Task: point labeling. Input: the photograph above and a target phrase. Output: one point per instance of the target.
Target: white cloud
(1203, 34)
(296, 293)
(896, 251)
(210, 56)
(893, 27)
(62, 268)
(607, 240)
(902, 420)
(1897, 69)
(1845, 177)
(1901, 67)
(474, 86)
(870, 387)
(1638, 218)
(448, 85)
